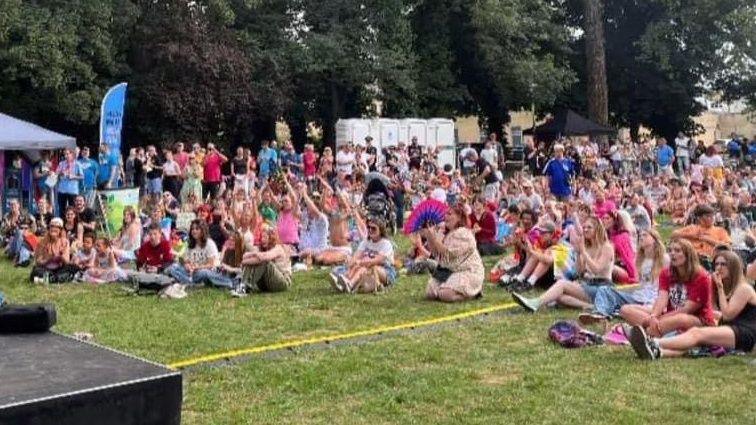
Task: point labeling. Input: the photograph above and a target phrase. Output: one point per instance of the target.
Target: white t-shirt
(198, 255)
(439, 194)
(344, 162)
(615, 153)
(683, 146)
(466, 153)
(489, 155)
(373, 249)
(714, 161)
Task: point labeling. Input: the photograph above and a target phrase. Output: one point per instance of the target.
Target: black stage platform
(54, 379)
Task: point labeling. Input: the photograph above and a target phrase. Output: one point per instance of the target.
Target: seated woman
(484, 227)
(72, 229)
(620, 230)
(200, 262)
(509, 267)
(314, 233)
(651, 259)
(269, 267)
(231, 262)
(372, 266)
(737, 301)
(105, 268)
(52, 257)
(595, 260)
(460, 274)
(684, 299)
(129, 238)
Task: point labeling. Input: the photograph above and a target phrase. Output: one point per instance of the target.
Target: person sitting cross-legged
(372, 266)
(268, 268)
(155, 254)
(200, 262)
(737, 302)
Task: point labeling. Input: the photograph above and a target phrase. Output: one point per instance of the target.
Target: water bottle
(46, 278)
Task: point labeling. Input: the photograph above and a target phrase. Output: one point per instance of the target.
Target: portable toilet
(415, 128)
(441, 133)
(388, 133)
(352, 130)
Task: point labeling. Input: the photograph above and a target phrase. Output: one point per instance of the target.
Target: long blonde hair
(656, 254)
(600, 237)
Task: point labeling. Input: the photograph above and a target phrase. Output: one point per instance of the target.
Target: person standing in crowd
(665, 156)
(240, 171)
(489, 154)
(180, 156)
(682, 151)
(109, 173)
(212, 172)
(90, 168)
(41, 173)
(372, 154)
(310, 162)
(345, 160)
(154, 173)
(171, 174)
(265, 160)
(129, 168)
(560, 171)
(415, 153)
(467, 157)
(69, 175)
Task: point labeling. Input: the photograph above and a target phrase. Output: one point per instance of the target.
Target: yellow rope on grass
(339, 337)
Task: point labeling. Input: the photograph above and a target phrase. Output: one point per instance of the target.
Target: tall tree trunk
(298, 129)
(595, 56)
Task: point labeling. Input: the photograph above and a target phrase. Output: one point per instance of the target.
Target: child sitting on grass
(105, 268)
(84, 257)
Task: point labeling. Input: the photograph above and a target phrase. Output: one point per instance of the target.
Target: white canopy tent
(19, 135)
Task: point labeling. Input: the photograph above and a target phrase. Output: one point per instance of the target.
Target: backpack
(569, 334)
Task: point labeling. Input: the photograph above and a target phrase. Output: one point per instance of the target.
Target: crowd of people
(579, 220)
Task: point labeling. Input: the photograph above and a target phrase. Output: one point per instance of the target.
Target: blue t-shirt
(733, 147)
(665, 155)
(263, 158)
(90, 167)
(559, 172)
(107, 163)
(66, 185)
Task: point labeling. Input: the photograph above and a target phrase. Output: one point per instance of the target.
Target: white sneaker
(238, 293)
(335, 282)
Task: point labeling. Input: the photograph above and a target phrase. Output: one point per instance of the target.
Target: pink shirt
(604, 208)
(213, 168)
(182, 158)
(624, 253)
(288, 228)
(310, 163)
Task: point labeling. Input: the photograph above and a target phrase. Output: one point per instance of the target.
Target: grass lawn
(493, 369)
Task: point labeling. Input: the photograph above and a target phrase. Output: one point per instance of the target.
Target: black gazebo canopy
(569, 123)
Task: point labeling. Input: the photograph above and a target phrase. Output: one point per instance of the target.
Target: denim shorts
(155, 186)
(591, 286)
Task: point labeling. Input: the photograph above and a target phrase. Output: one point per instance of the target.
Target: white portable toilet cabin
(352, 130)
(441, 137)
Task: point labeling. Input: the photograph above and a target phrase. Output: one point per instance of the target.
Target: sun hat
(56, 222)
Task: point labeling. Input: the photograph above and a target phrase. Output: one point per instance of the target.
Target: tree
(598, 98)
(506, 55)
(56, 60)
(664, 55)
(191, 79)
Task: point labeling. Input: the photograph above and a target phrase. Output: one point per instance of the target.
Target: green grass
(496, 369)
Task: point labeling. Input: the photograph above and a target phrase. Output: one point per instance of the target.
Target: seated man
(704, 235)
(155, 254)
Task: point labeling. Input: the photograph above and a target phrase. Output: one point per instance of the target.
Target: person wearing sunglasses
(737, 303)
(371, 268)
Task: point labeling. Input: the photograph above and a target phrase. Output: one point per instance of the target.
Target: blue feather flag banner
(427, 213)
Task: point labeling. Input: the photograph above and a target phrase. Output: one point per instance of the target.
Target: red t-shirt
(213, 164)
(487, 225)
(310, 163)
(698, 290)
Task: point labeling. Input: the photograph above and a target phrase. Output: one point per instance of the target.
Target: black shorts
(745, 337)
